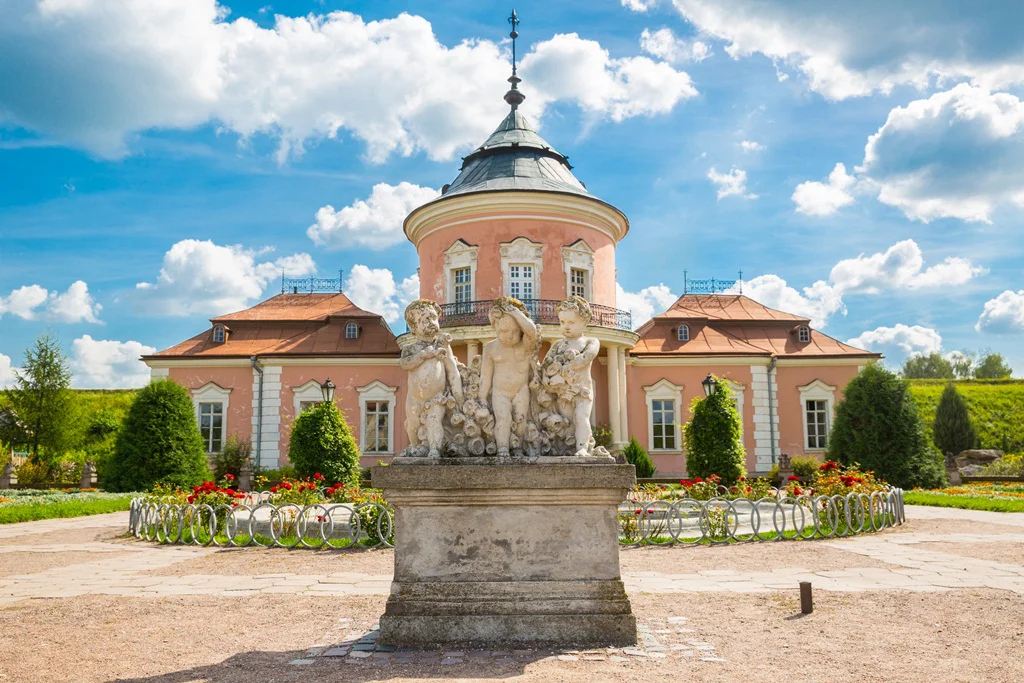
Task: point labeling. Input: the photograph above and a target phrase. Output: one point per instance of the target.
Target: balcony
(544, 311)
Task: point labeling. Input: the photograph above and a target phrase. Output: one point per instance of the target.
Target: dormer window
(803, 334)
(351, 331)
(683, 333)
(219, 335)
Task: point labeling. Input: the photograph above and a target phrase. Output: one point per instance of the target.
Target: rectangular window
(817, 424)
(663, 429)
(375, 427)
(306, 405)
(578, 282)
(520, 281)
(211, 425)
(463, 278)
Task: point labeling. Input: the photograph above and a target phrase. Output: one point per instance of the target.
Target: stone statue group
(506, 402)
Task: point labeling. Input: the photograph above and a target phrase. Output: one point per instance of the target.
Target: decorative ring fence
(681, 521)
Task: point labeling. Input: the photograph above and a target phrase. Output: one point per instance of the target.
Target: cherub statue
(432, 370)
(565, 372)
(505, 372)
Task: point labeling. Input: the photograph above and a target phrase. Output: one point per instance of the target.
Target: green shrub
(953, 431)
(878, 426)
(232, 457)
(1010, 465)
(636, 455)
(805, 467)
(713, 438)
(322, 442)
(603, 435)
(159, 443)
(996, 407)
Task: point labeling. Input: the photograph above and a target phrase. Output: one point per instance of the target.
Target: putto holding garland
(513, 406)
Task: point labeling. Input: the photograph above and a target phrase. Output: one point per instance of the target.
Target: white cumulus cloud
(752, 146)
(733, 183)
(822, 199)
(7, 372)
(639, 5)
(664, 44)
(1003, 314)
(850, 49)
(32, 302)
(375, 290)
(646, 303)
(375, 222)
(899, 341)
(95, 73)
(200, 277)
(108, 364)
(818, 303)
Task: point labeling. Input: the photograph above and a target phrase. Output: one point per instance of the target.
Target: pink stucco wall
(488, 233)
(348, 379)
(790, 409)
(237, 379)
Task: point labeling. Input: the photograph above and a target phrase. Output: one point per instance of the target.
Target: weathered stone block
(490, 554)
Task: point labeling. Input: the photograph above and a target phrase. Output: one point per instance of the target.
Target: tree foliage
(953, 430)
(992, 366)
(41, 400)
(636, 455)
(931, 366)
(158, 443)
(714, 439)
(878, 426)
(322, 442)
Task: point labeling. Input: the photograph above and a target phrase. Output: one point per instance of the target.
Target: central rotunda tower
(517, 222)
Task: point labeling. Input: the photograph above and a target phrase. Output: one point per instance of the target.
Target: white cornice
(809, 362)
(551, 206)
(267, 362)
(662, 361)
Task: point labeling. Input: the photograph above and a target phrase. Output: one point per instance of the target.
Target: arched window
(351, 331)
(683, 333)
(218, 334)
(804, 334)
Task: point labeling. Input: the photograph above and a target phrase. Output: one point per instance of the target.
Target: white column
(271, 428)
(614, 417)
(623, 414)
(763, 422)
(158, 374)
(472, 350)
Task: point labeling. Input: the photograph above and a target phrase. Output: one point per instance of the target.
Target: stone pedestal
(496, 553)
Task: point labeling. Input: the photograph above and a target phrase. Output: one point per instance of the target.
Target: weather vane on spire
(513, 96)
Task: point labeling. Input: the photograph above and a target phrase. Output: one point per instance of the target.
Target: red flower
(697, 480)
(329, 492)
(686, 483)
(273, 489)
(229, 477)
(798, 491)
(748, 489)
(318, 476)
(743, 478)
(793, 477)
(637, 512)
(287, 485)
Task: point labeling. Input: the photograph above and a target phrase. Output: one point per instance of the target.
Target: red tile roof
(298, 307)
(725, 307)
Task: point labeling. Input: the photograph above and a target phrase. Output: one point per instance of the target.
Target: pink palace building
(517, 222)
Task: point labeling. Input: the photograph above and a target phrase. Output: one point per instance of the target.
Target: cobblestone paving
(910, 568)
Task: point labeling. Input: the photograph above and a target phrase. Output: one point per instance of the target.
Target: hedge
(996, 406)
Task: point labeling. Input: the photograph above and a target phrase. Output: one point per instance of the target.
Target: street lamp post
(328, 390)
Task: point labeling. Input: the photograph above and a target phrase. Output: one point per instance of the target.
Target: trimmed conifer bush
(159, 442)
(636, 455)
(878, 426)
(322, 442)
(953, 430)
(714, 440)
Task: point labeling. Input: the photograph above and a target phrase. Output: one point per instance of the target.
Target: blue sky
(163, 161)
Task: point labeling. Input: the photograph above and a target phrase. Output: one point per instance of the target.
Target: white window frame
(466, 286)
(660, 391)
(519, 252)
(456, 257)
(522, 282)
(310, 392)
(683, 333)
(803, 334)
(817, 391)
(211, 392)
(377, 391)
(584, 291)
(579, 256)
(351, 330)
(222, 332)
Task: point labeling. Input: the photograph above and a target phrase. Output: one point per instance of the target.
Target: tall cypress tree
(953, 430)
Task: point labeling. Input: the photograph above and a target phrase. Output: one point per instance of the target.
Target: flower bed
(996, 497)
(25, 505)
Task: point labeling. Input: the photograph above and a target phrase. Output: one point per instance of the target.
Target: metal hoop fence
(683, 521)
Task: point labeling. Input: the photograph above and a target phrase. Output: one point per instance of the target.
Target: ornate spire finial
(513, 96)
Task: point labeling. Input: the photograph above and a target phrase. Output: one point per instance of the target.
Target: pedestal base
(493, 554)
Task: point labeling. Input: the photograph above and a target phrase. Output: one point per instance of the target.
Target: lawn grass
(962, 502)
(30, 512)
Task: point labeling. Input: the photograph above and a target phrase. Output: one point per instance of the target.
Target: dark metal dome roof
(515, 158)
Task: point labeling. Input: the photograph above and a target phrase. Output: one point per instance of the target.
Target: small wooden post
(806, 600)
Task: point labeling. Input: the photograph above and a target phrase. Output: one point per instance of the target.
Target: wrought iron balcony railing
(543, 311)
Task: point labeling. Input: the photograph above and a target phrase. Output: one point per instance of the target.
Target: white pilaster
(614, 416)
(159, 373)
(270, 439)
(762, 427)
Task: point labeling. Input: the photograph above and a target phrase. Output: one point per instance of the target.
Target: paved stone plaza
(693, 605)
